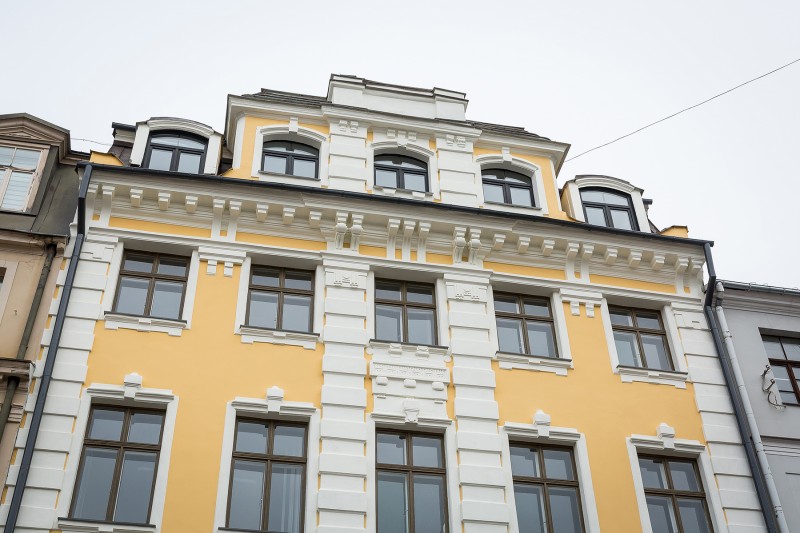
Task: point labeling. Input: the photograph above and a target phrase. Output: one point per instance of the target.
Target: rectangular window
(152, 285)
(280, 299)
(784, 358)
(268, 472)
(17, 172)
(640, 338)
(118, 465)
(525, 325)
(546, 489)
(405, 312)
(676, 502)
(412, 493)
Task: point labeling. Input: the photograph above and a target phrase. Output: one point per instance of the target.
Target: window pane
(620, 318)
(391, 449)
(627, 348)
(541, 340)
(537, 308)
(289, 440)
(493, 193)
(298, 280)
(409, 162)
(106, 424)
(596, 216)
(167, 298)
(524, 462)
(530, 508)
(26, 159)
(509, 335)
(662, 515)
(285, 496)
(429, 504)
(386, 178)
(94, 486)
(648, 320)
(392, 502)
(604, 197)
(655, 352)
(592, 196)
(304, 149)
(621, 219)
(792, 348)
(170, 266)
(166, 140)
(132, 295)
(421, 326)
(419, 294)
(160, 159)
(784, 383)
(278, 146)
(564, 509)
(189, 163)
(693, 516)
(388, 323)
(506, 304)
(387, 290)
(251, 437)
(145, 428)
(135, 487)
(275, 164)
(16, 194)
(296, 313)
(191, 143)
(304, 168)
(683, 476)
(415, 182)
(6, 156)
(558, 464)
(653, 476)
(521, 196)
(427, 451)
(247, 495)
(266, 278)
(773, 347)
(263, 312)
(138, 263)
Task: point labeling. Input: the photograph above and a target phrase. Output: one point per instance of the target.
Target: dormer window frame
(573, 204)
(400, 172)
(294, 133)
(177, 151)
(36, 173)
(505, 161)
(608, 208)
(416, 149)
(155, 126)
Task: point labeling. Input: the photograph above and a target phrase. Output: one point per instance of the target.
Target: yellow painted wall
(104, 159)
(631, 283)
(158, 227)
(522, 270)
(676, 231)
(283, 242)
(594, 401)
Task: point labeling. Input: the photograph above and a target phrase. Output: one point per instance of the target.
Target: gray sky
(579, 72)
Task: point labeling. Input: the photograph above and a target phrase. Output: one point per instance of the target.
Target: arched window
(603, 207)
(506, 187)
(176, 151)
(401, 172)
(290, 158)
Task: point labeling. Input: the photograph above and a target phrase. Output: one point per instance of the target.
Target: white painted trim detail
(273, 336)
(143, 323)
(614, 184)
(526, 168)
(291, 132)
(556, 365)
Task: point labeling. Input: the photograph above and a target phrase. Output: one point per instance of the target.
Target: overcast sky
(579, 72)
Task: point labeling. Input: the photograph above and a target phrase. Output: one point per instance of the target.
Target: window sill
(555, 365)
(284, 178)
(252, 334)
(497, 206)
(69, 525)
(400, 348)
(647, 375)
(173, 328)
(403, 193)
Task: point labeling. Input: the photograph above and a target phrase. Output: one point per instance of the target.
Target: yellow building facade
(364, 312)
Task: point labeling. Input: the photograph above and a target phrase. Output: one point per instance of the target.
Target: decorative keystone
(411, 409)
(541, 421)
(274, 399)
(132, 383)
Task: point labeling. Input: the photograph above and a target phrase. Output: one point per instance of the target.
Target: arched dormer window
(612, 209)
(176, 151)
(507, 187)
(401, 172)
(290, 158)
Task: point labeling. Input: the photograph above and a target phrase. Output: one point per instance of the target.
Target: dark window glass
(290, 158)
(608, 208)
(784, 358)
(401, 172)
(640, 338)
(507, 187)
(267, 484)
(546, 489)
(405, 312)
(175, 151)
(281, 299)
(118, 465)
(412, 493)
(525, 325)
(152, 285)
(676, 502)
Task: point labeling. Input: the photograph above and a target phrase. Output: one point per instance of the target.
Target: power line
(685, 110)
(90, 141)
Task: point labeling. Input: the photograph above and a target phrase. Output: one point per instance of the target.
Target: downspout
(49, 363)
(736, 400)
(777, 508)
(13, 381)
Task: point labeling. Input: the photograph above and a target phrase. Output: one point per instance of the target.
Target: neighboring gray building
(764, 327)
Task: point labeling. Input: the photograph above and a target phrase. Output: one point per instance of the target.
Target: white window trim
(8, 280)
(36, 177)
(540, 432)
(604, 182)
(142, 138)
(293, 132)
(677, 377)
(526, 168)
(131, 394)
(272, 407)
(411, 150)
(665, 444)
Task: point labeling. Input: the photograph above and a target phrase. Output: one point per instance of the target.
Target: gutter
(729, 371)
(49, 363)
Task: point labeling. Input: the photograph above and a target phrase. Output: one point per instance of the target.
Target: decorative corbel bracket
(190, 204)
(422, 241)
(163, 200)
(407, 230)
(262, 210)
(356, 229)
(391, 237)
(136, 197)
(523, 243)
(459, 242)
(475, 246)
(340, 229)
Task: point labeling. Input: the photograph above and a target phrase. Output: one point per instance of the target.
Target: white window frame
(130, 394)
(144, 129)
(526, 168)
(36, 177)
(409, 149)
(272, 407)
(573, 195)
(294, 133)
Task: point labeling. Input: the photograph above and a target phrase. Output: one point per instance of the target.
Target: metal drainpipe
(736, 401)
(13, 381)
(49, 363)
(777, 509)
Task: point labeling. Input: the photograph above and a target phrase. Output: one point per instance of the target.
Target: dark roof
(123, 127)
(506, 130)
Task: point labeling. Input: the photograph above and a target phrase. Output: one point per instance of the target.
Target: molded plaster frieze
(220, 255)
(576, 298)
